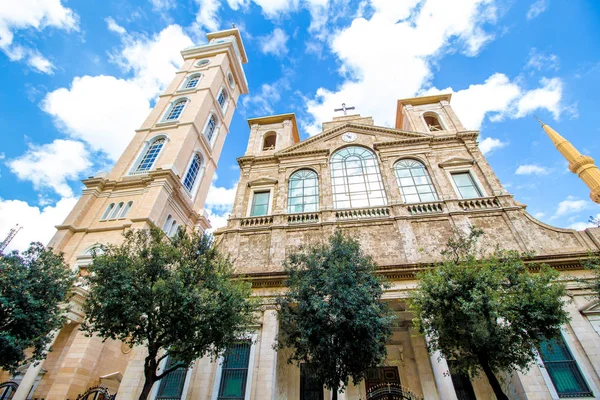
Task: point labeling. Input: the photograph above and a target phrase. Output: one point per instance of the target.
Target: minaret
(579, 164)
(162, 178)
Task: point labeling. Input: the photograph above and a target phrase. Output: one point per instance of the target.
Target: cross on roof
(344, 108)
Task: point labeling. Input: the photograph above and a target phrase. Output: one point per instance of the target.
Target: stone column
(133, 378)
(32, 373)
(428, 382)
(441, 374)
(265, 378)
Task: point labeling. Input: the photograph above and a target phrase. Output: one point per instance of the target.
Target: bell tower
(162, 178)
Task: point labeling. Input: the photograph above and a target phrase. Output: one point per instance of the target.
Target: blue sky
(504, 61)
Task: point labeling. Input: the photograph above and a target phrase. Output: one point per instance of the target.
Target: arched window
(107, 211)
(116, 211)
(192, 81)
(176, 110)
(414, 181)
(303, 192)
(167, 224)
(211, 127)
(151, 154)
(231, 80)
(173, 229)
(192, 172)
(269, 141)
(126, 209)
(356, 179)
(222, 98)
(203, 62)
(432, 122)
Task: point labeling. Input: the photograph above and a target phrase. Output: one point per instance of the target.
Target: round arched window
(203, 62)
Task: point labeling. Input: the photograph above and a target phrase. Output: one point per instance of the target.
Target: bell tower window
(269, 141)
(151, 155)
(432, 121)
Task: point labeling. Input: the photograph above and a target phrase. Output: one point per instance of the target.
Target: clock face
(349, 137)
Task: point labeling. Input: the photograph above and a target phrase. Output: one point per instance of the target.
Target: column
(428, 382)
(32, 372)
(441, 374)
(133, 378)
(77, 367)
(265, 378)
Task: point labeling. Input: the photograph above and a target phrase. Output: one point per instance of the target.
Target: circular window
(202, 62)
(230, 80)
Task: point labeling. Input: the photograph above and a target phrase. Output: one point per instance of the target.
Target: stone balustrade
(256, 221)
(362, 213)
(304, 218)
(481, 203)
(425, 208)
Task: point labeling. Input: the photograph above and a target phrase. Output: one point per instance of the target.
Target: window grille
(171, 386)
(211, 127)
(176, 110)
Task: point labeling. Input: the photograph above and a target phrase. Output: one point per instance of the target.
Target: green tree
(174, 296)
(32, 286)
(332, 316)
(488, 313)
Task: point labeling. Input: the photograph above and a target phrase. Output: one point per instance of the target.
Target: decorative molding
(263, 182)
(456, 161)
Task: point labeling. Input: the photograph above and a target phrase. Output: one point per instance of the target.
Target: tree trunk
(146, 389)
(492, 379)
(334, 394)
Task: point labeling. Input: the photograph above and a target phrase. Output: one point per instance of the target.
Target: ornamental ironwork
(390, 391)
(97, 393)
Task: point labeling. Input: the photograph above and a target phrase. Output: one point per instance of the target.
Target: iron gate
(97, 393)
(390, 391)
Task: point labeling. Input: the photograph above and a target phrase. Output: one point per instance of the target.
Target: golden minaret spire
(579, 164)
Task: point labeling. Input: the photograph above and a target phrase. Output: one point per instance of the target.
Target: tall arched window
(192, 172)
(167, 224)
(176, 110)
(192, 81)
(414, 181)
(126, 209)
(107, 211)
(222, 98)
(269, 141)
(151, 154)
(116, 211)
(303, 192)
(211, 127)
(356, 179)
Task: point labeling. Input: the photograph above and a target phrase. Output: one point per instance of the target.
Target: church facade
(400, 191)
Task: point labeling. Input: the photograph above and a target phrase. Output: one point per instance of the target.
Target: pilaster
(265, 378)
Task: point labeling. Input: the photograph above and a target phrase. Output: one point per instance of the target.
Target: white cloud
(488, 145)
(275, 43)
(51, 165)
(32, 14)
(274, 8)
(236, 4)
(206, 17)
(540, 61)
(114, 27)
(539, 215)
(38, 223)
(548, 96)
(537, 8)
(160, 5)
(263, 102)
(218, 205)
(570, 206)
(426, 30)
(531, 169)
(103, 110)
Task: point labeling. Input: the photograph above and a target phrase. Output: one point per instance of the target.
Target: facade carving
(400, 191)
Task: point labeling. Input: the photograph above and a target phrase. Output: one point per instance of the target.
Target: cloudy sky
(504, 61)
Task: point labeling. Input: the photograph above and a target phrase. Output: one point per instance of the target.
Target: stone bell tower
(162, 178)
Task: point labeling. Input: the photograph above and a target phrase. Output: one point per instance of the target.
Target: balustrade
(362, 213)
(304, 218)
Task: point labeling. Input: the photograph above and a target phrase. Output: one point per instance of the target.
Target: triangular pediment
(262, 182)
(319, 143)
(592, 308)
(456, 161)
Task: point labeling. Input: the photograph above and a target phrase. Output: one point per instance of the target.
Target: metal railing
(391, 391)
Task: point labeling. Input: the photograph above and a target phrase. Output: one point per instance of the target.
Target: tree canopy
(32, 286)
(332, 316)
(487, 313)
(175, 296)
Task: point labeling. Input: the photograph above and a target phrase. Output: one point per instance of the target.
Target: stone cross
(344, 108)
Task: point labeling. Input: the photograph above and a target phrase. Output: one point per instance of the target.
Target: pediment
(262, 182)
(456, 161)
(591, 309)
(319, 143)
